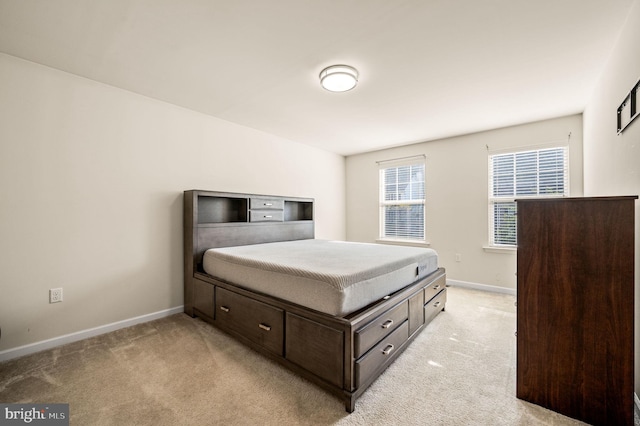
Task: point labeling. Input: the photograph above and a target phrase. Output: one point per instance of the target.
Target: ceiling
(429, 69)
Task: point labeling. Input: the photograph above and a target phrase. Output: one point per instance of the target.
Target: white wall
(457, 195)
(91, 181)
(611, 161)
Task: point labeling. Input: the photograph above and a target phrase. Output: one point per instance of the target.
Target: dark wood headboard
(224, 219)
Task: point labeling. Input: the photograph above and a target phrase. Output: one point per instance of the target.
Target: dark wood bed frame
(342, 354)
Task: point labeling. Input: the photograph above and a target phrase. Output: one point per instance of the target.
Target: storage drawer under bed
(381, 354)
(434, 306)
(371, 333)
(261, 323)
(434, 288)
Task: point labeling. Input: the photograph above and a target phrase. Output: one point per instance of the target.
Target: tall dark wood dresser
(575, 307)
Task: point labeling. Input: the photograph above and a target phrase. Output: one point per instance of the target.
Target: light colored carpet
(182, 371)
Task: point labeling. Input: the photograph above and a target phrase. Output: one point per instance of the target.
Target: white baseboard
(84, 334)
(483, 287)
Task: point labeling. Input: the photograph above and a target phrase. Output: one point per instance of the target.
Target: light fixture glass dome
(339, 78)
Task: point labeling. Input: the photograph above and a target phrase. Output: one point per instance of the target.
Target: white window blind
(402, 200)
(533, 173)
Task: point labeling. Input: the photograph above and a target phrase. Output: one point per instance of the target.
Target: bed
(337, 313)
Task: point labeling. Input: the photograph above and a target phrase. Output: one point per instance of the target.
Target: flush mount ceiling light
(339, 78)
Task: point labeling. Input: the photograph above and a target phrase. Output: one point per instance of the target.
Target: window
(534, 173)
(402, 200)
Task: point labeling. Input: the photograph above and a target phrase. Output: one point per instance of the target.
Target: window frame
(385, 204)
(510, 200)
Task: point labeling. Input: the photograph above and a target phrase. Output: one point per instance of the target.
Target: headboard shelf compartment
(298, 210)
(221, 209)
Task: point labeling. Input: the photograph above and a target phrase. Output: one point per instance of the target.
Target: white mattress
(334, 277)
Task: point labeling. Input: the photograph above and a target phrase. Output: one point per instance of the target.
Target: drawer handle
(224, 309)
(388, 349)
(268, 204)
(268, 216)
(435, 305)
(387, 324)
(264, 327)
(437, 286)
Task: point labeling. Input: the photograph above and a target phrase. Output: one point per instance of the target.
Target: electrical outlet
(458, 257)
(55, 295)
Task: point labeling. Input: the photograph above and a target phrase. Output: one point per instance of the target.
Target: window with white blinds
(402, 201)
(534, 173)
